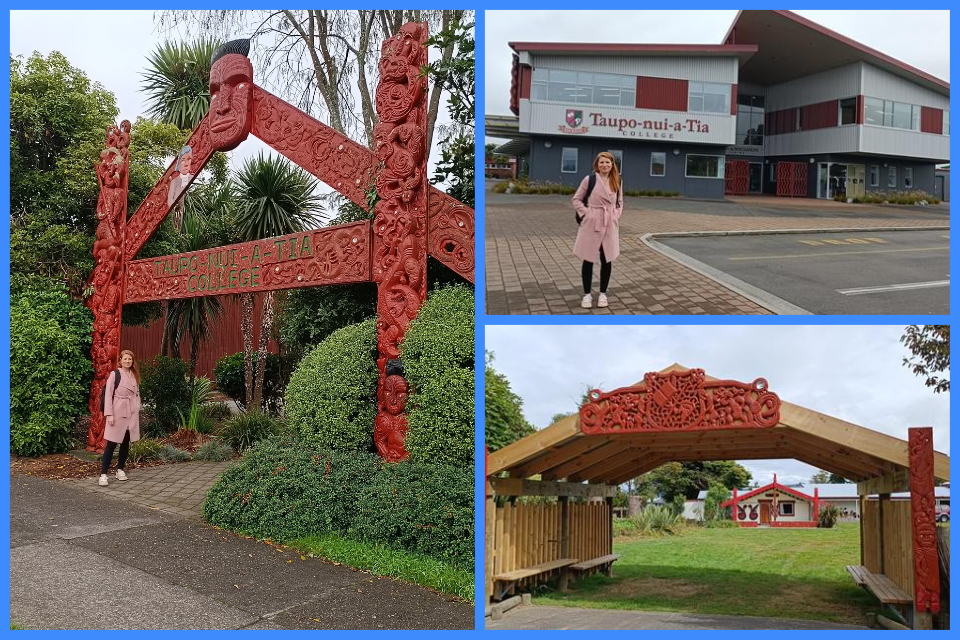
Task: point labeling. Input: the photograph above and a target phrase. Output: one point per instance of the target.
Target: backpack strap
(591, 183)
(116, 380)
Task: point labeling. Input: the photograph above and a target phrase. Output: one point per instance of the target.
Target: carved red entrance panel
(411, 218)
(737, 182)
(926, 568)
(680, 401)
(792, 179)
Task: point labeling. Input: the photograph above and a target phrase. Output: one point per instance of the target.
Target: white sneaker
(602, 300)
(587, 301)
(121, 475)
(103, 480)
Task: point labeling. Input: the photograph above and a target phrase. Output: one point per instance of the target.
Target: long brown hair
(614, 171)
(133, 367)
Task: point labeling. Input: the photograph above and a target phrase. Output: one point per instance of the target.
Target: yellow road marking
(845, 241)
(834, 253)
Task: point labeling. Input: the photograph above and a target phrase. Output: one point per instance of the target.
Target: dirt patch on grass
(643, 587)
(822, 601)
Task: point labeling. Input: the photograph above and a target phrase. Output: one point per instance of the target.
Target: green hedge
(50, 370)
(331, 398)
(438, 358)
(285, 488)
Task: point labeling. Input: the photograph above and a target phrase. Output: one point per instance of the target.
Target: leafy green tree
(825, 477)
(687, 479)
(930, 349)
(503, 414)
(274, 198)
(177, 82)
(716, 494)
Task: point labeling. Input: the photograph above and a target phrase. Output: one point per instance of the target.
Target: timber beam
(889, 483)
(520, 487)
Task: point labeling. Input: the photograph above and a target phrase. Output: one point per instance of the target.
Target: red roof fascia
(604, 47)
(772, 485)
(848, 41)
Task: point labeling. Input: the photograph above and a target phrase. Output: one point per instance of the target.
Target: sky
(919, 38)
(91, 41)
(854, 373)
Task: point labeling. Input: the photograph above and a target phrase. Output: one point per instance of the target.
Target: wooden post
(926, 565)
(490, 512)
(564, 539)
(862, 505)
(882, 499)
(735, 504)
(609, 571)
(816, 504)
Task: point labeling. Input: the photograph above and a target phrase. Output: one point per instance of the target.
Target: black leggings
(586, 272)
(121, 457)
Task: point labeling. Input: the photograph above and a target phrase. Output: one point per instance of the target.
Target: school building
(783, 107)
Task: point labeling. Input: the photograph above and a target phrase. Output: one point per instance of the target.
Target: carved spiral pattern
(926, 566)
(451, 233)
(680, 401)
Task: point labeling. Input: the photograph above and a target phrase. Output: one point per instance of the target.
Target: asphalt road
(891, 272)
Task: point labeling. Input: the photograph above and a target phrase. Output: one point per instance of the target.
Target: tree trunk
(451, 18)
(266, 326)
(165, 337)
(246, 326)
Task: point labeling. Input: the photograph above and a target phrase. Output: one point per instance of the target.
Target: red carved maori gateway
(107, 276)
(411, 219)
(680, 401)
(926, 568)
(333, 255)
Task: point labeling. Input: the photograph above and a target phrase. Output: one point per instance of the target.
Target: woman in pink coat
(122, 410)
(599, 220)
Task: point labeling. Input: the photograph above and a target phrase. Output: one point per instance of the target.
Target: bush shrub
(243, 431)
(50, 370)
(653, 520)
(438, 357)
(145, 450)
(331, 398)
(214, 451)
(828, 516)
(171, 454)
(216, 411)
(286, 489)
(230, 375)
(420, 507)
(164, 385)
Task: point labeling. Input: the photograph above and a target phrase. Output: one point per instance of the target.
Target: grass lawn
(790, 573)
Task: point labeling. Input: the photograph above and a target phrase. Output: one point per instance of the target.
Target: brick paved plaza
(531, 269)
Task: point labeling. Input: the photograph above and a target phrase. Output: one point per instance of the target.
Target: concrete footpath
(136, 555)
(535, 618)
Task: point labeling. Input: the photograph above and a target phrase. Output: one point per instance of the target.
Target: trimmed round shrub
(420, 507)
(165, 386)
(331, 398)
(243, 431)
(285, 489)
(438, 358)
(50, 370)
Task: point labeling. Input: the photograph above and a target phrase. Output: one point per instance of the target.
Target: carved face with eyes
(231, 97)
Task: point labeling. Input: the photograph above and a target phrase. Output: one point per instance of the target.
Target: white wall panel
(878, 83)
(833, 140)
(842, 82)
(908, 144)
(701, 69)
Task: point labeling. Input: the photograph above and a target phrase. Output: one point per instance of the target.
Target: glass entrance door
(856, 180)
(756, 177)
(838, 181)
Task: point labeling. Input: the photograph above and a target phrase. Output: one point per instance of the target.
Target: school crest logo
(574, 119)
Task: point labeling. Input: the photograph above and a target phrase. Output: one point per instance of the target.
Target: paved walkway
(530, 267)
(531, 618)
(135, 555)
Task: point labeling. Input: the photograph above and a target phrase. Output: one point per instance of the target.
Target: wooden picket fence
(897, 541)
(529, 534)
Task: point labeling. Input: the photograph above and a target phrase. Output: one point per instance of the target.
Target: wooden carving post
(411, 219)
(926, 569)
(107, 276)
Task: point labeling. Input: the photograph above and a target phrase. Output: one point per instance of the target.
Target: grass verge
(784, 573)
(383, 560)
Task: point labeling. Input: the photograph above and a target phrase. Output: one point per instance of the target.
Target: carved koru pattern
(334, 255)
(390, 426)
(107, 276)
(926, 568)
(680, 401)
(400, 216)
(450, 233)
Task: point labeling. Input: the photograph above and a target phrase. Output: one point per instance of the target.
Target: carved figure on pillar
(231, 95)
(390, 426)
(107, 276)
(400, 216)
(926, 567)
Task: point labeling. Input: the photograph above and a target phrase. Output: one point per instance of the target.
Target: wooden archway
(410, 218)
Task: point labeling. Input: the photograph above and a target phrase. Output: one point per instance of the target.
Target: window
(773, 172)
(848, 111)
(709, 97)
(750, 120)
(658, 163)
(785, 508)
(873, 112)
(568, 162)
(908, 177)
(902, 115)
(704, 166)
(874, 175)
(799, 111)
(584, 88)
(892, 177)
(915, 121)
(946, 123)
(618, 158)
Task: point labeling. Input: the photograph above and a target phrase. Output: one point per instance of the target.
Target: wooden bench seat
(505, 582)
(596, 562)
(885, 589)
